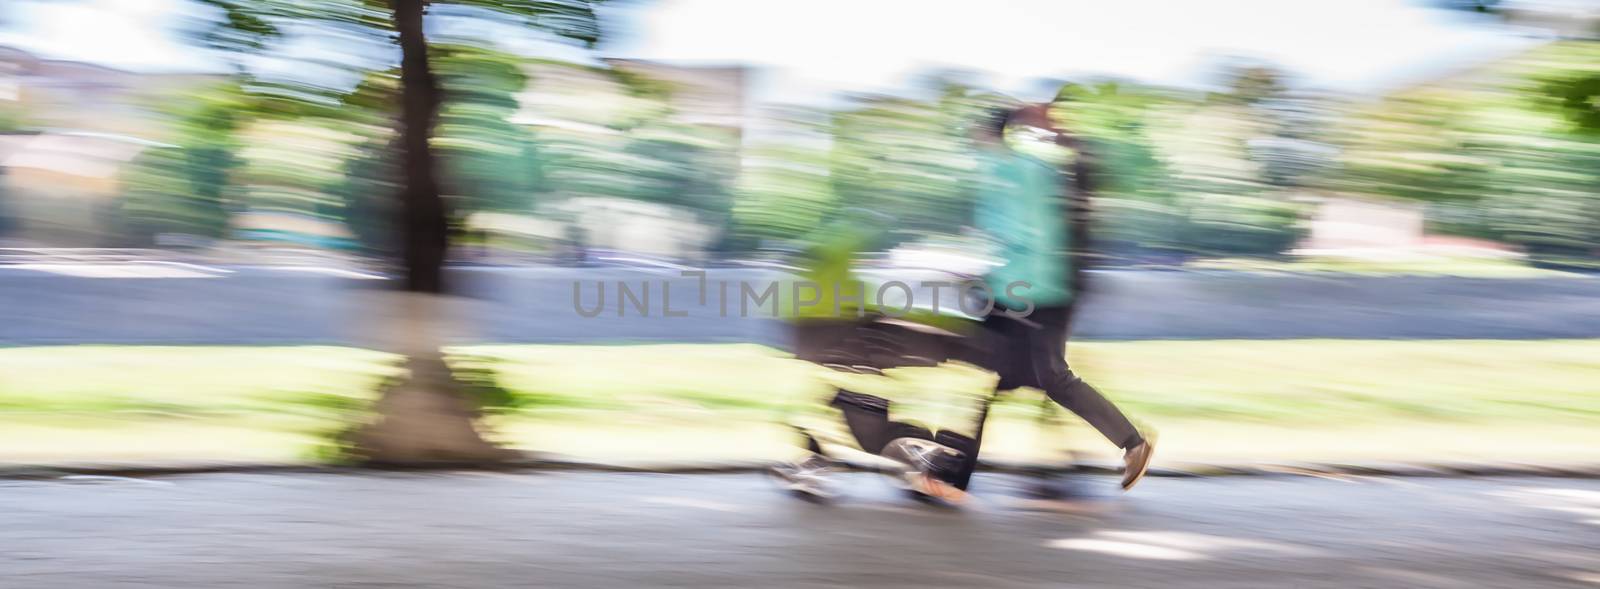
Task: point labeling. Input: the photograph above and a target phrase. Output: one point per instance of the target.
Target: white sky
(814, 48)
(135, 34)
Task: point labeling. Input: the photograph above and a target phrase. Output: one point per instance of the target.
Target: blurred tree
(676, 165)
(281, 188)
(905, 158)
(1507, 155)
(161, 198)
(1134, 203)
(1226, 204)
(1292, 154)
(1178, 174)
(1417, 147)
(370, 177)
(1545, 197)
(8, 220)
(627, 139)
(1578, 98)
(1111, 116)
(488, 164)
(1248, 82)
(184, 189)
(1286, 123)
(783, 194)
(12, 120)
(365, 190)
(252, 25)
(1544, 187)
(425, 418)
(1483, 6)
(784, 191)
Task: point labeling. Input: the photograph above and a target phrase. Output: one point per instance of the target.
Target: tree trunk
(425, 419)
(423, 216)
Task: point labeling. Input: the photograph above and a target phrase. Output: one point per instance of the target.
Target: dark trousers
(1032, 352)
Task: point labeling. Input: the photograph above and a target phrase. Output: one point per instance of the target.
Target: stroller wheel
(926, 464)
(806, 479)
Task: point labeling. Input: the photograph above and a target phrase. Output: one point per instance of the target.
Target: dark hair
(997, 119)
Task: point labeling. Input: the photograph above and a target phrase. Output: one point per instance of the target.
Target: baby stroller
(906, 391)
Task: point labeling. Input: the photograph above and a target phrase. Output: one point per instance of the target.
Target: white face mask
(1032, 135)
(1038, 143)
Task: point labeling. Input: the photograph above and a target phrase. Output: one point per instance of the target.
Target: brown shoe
(1136, 461)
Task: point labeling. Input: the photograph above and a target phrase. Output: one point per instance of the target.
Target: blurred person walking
(1039, 223)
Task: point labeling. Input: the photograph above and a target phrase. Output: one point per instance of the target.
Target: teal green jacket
(1019, 210)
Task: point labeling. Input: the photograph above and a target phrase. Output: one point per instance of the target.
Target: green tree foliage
(1112, 116)
(365, 192)
(1174, 172)
(288, 166)
(679, 166)
(1576, 95)
(12, 120)
(1505, 154)
(783, 194)
(369, 177)
(488, 162)
(1134, 207)
(1182, 174)
(185, 188)
(667, 161)
(784, 191)
(236, 151)
(1420, 147)
(161, 197)
(252, 26)
(905, 158)
(619, 135)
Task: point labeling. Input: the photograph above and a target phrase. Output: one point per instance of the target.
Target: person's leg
(1000, 346)
(1062, 386)
(1070, 391)
(1047, 355)
(968, 446)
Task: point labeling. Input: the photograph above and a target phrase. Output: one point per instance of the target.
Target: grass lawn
(201, 403)
(1437, 266)
(1233, 401)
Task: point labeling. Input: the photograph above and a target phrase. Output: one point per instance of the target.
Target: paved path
(196, 305)
(619, 530)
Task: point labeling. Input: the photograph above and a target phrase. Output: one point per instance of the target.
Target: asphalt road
(637, 530)
(282, 305)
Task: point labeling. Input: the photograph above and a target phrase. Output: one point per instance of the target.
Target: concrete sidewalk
(495, 529)
(535, 462)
